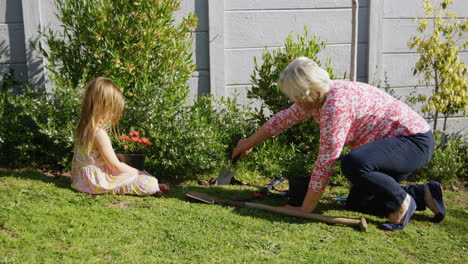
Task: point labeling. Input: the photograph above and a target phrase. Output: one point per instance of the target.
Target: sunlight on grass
(42, 220)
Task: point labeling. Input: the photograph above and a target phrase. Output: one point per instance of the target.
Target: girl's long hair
(102, 105)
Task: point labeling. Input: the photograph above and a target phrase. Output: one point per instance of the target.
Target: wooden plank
(454, 125)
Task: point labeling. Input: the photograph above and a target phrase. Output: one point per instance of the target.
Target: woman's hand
(244, 146)
(311, 200)
(296, 208)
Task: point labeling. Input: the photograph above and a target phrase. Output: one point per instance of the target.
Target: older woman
(389, 141)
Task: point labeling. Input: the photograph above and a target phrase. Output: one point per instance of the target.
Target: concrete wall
(230, 33)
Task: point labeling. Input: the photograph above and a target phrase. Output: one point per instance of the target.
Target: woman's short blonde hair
(304, 80)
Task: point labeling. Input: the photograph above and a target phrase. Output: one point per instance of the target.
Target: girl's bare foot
(163, 189)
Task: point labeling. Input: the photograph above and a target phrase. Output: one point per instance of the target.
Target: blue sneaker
(436, 193)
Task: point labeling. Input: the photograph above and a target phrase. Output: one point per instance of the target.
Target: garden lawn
(42, 220)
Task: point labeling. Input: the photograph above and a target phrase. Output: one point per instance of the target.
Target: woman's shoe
(436, 193)
(406, 218)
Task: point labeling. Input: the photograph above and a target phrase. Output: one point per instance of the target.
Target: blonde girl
(95, 166)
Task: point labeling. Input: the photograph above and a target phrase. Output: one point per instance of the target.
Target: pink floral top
(353, 114)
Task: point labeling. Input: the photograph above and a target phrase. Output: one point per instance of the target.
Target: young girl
(95, 167)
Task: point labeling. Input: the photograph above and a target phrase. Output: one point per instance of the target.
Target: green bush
(449, 162)
(201, 137)
(22, 142)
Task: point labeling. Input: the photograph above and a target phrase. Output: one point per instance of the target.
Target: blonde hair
(304, 80)
(102, 105)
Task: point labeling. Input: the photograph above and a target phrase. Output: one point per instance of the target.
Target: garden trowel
(226, 174)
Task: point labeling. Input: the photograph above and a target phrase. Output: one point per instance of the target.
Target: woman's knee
(353, 165)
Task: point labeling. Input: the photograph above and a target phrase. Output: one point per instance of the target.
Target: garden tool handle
(361, 222)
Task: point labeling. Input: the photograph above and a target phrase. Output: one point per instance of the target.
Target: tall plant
(439, 63)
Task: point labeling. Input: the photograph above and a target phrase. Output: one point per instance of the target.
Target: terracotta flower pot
(135, 160)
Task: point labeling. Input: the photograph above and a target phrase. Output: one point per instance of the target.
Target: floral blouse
(353, 114)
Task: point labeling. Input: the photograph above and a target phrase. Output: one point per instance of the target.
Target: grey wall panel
(258, 29)
(240, 63)
(11, 11)
(397, 33)
(454, 125)
(48, 15)
(12, 43)
(199, 84)
(399, 68)
(414, 8)
(290, 4)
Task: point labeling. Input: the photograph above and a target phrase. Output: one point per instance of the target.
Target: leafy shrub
(449, 162)
(23, 143)
(274, 158)
(201, 137)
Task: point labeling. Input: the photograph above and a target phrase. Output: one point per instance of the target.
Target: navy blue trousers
(376, 169)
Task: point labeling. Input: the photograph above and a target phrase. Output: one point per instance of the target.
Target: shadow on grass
(223, 193)
(60, 181)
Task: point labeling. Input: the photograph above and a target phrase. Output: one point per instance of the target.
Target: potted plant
(131, 149)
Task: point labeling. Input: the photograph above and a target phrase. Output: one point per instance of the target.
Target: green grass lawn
(42, 220)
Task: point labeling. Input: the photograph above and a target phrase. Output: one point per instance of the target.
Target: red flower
(134, 134)
(132, 143)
